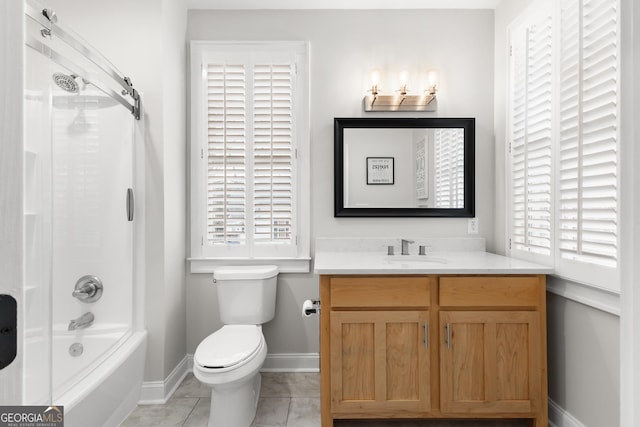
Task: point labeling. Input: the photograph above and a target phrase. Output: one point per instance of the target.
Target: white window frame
(203, 259)
(586, 275)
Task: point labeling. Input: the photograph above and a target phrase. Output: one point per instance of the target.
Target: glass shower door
(92, 170)
(79, 146)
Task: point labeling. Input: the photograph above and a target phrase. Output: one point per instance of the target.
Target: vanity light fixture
(402, 100)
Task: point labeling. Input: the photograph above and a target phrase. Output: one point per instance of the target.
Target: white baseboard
(283, 362)
(559, 417)
(158, 392)
(292, 362)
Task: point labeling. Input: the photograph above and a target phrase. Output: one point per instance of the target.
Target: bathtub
(109, 386)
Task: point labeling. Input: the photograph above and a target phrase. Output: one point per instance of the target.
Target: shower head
(66, 82)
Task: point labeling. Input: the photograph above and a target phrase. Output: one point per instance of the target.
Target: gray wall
(584, 354)
(345, 46)
(583, 342)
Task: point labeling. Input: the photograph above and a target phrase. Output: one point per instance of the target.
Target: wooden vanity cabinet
(492, 352)
(433, 347)
(486, 365)
(379, 335)
(379, 362)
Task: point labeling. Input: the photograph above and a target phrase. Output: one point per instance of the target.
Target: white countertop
(463, 262)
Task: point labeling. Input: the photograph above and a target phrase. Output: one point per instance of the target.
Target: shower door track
(77, 70)
(51, 28)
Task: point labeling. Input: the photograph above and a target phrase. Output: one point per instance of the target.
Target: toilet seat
(228, 347)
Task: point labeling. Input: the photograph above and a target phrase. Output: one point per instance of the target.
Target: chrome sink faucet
(82, 322)
(405, 246)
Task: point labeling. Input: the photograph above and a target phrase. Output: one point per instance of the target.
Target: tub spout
(82, 322)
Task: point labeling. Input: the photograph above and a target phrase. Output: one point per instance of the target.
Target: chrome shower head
(66, 82)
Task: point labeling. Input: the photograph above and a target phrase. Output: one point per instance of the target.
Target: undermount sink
(414, 259)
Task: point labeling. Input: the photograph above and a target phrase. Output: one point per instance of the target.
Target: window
(250, 173)
(563, 130)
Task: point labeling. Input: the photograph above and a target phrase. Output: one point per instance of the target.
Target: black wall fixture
(8, 330)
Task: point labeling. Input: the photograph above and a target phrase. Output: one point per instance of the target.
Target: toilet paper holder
(310, 306)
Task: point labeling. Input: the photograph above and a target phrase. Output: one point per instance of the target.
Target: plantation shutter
(226, 156)
(588, 177)
(273, 153)
(530, 137)
(449, 162)
(250, 154)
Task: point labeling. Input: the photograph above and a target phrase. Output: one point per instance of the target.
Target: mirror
(404, 167)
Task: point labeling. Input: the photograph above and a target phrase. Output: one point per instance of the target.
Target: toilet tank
(246, 294)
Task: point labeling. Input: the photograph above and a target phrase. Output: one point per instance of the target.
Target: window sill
(589, 295)
(285, 265)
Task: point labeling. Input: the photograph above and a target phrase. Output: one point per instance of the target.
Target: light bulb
(375, 79)
(403, 82)
(403, 78)
(432, 78)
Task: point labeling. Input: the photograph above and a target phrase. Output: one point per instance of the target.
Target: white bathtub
(109, 388)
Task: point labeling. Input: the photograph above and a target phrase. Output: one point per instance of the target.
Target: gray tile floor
(286, 400)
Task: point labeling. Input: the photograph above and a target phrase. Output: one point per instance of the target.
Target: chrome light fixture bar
(402, 100)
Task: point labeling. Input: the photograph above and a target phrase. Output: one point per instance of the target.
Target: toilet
(229, 360)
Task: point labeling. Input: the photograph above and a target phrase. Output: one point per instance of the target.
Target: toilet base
(235, 406)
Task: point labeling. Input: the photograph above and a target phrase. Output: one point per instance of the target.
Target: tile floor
(286, 400)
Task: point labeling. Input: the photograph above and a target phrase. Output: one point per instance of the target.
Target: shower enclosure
(80, 336)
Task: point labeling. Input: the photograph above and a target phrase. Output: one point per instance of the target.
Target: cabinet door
(380, 362)
(490, 362)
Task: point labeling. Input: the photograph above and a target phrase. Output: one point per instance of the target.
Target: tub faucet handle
(88, 289)
(84, 291)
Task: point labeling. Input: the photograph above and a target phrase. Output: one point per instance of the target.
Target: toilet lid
(245, 272)
(228, 346)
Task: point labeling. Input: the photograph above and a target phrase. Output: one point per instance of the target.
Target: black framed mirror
(404, 167)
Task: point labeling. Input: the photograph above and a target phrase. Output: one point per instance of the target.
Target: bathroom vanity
(450, 335)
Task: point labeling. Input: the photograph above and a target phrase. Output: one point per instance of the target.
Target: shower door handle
(130, 204)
